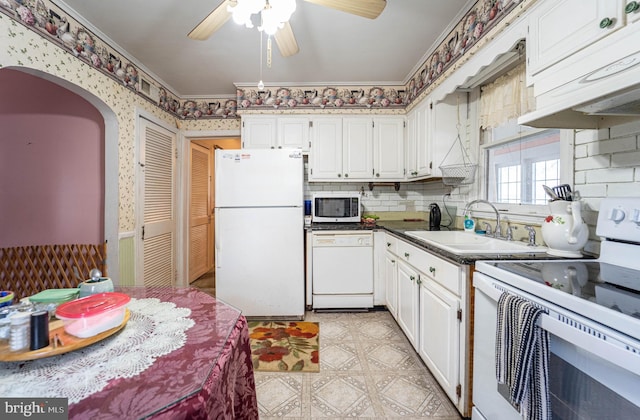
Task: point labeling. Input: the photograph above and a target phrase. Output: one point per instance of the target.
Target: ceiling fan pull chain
(260, 83)
(269, 51)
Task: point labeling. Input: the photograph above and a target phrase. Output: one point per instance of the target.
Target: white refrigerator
(259, 231)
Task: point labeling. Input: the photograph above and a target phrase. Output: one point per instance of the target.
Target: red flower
(272, 353)
(306, 330)
(315, 356)
(549, 219)
(262, 333)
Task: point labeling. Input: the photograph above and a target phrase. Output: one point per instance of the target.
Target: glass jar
(19, 335)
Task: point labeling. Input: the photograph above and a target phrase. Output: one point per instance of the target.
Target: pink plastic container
(91, 315)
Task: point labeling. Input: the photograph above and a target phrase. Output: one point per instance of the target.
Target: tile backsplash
(412, 200)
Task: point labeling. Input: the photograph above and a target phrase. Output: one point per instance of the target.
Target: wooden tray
(70, 343)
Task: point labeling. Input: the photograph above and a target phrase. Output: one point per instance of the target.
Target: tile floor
(206, 283)
(368, 370)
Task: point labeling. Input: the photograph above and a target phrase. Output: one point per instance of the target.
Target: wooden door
(156, 206)
(200, 222)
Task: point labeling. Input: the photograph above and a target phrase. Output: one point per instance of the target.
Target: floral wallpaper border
(483, 16)
(45, 18)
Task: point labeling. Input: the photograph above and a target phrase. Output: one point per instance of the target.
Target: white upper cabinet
(581, 57)
(419, 142)
(388, 148)
(560, 28)
(357, 149)
(293, 132)
(258, 132)
(269, 132)
(325, 156)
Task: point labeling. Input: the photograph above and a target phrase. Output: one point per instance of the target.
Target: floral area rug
(283, 346)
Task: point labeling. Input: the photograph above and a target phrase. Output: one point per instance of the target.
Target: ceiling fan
(284, 37)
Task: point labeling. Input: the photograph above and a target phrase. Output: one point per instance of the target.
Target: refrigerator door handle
(216, 237)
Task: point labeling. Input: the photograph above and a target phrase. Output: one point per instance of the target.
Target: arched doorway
(53, 129)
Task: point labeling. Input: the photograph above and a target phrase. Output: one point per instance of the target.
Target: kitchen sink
(458, 242)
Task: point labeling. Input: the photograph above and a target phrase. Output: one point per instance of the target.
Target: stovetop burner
(612, 286)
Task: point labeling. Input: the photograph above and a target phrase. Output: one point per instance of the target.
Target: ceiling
(336, 48)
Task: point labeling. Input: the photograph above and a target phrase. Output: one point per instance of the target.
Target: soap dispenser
(469, 224)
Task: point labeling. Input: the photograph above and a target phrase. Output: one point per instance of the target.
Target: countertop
(399, 227)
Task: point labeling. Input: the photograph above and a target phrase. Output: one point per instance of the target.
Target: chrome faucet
(498, 231)
(532, 235)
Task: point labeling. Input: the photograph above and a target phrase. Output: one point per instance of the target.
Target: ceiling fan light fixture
(242, 11)
(273, 13)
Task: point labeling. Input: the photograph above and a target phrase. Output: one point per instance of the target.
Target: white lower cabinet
(390, 268)
(428, 297)
(440, 335)
(408, 289)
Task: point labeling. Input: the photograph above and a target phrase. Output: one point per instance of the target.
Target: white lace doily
(154, 329)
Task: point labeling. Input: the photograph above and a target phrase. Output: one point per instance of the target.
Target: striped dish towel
(522, 356)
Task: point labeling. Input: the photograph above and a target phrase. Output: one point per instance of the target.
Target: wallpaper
(52, 23)
(24, 48)
(38, 35)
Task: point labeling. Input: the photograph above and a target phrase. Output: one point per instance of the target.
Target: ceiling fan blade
(366, 8)
(212, 22)
(286, 41)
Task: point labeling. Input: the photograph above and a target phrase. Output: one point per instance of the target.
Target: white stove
(592, 313)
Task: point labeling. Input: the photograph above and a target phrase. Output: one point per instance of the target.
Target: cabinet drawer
(435, 268)
(391, 244)
(418, 258)
(445, 274)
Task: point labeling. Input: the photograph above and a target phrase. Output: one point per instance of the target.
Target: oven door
(594, 372)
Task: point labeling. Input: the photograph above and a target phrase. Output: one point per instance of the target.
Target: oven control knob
(617, 215)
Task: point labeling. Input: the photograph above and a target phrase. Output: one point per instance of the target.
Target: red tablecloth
(210, 377)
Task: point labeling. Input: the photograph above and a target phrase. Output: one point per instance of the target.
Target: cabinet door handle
(339, 175)
(606, 22)
(412, 278)
(346, 175)
(406, 254)
(419, 281)
(631, 7)
(272, 147)
(432, 270)
(377, 175)
(388, 243)
(393, 261)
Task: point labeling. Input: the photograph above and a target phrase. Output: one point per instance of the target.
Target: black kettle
(434, 217)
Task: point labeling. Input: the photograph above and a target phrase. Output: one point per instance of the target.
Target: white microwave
(333, 207)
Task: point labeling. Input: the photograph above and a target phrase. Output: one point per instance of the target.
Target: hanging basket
(461, 173)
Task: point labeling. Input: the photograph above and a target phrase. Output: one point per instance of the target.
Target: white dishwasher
(342, 272)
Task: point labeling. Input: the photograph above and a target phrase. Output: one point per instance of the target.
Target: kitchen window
(518, 169)
(519, 160)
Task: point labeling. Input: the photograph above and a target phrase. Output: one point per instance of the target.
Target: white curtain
(506, 98)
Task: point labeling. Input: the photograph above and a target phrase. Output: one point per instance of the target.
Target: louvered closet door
(200, 212)
(157, 247)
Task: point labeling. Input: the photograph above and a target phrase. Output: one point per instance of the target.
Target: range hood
(624, 103)
(606, 96)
